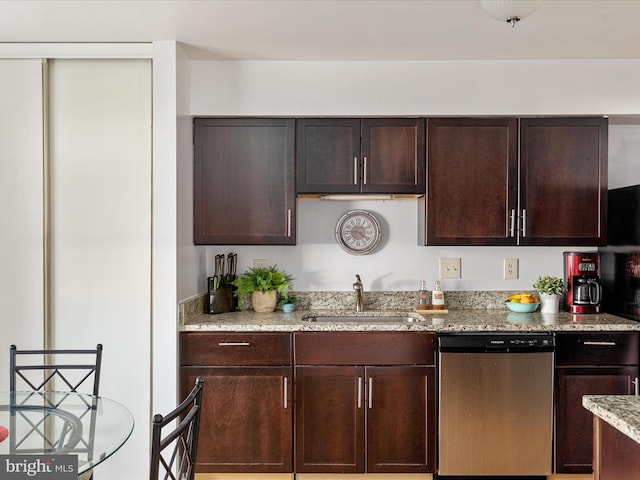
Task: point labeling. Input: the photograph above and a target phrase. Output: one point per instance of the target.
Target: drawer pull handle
(359, 392)
(601, 344)
(636, 387)
(370, 392)
(234, 344)
(286, 397)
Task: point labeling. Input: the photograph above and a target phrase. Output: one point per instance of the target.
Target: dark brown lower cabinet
(364, 418)
(247, 415)
(246, 423)
(588, 364)
(616, 456)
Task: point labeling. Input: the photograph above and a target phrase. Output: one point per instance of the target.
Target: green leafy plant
(284, 299)
(262, 280)
(549, 285)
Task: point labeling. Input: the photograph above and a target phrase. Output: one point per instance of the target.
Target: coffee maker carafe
(583, 290)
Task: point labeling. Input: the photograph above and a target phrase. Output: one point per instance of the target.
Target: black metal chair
(38, 371)
(174, 448)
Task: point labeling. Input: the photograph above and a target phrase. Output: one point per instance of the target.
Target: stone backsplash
(405, 300)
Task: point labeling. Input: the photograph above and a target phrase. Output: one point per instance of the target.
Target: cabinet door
(328, 155)
(247, 421)
(563, 186)
(244, 182)
(330, 409)
(393, 155)
(472, 182)
(400, 419)
(574, 424)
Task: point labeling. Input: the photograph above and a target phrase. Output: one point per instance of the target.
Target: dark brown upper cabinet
(369, 155)
(244, 181)
(472, 181)
(563, 181)
(480, 192)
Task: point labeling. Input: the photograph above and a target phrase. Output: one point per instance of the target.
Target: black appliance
(620, 259)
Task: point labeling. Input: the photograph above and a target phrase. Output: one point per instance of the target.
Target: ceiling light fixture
(510, 11)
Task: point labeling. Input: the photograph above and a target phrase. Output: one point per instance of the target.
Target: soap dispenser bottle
(437, 298)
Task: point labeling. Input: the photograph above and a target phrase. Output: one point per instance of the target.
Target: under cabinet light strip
(346, 196)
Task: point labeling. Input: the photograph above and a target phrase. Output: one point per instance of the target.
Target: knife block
(221, 294)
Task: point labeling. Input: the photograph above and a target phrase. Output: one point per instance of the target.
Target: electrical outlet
(260, 263)
(450, 268)
(510, 268)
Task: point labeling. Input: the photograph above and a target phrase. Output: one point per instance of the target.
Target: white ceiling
(335, 29)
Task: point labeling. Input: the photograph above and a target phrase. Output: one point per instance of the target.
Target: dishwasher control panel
(510, 342)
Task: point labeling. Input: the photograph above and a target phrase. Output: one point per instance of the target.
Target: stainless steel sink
(363, 319)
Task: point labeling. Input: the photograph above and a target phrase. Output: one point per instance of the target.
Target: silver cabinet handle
(364, 179)
(524, 222)
(370, 392)
(355, 170)
(601, 344)
(285, 393)
(512, 223)
(234, 344)
(359, 392)
(636, 388)
(288, 222)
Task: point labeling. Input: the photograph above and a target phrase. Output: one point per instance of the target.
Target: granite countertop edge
(620, 411)
(454, 321)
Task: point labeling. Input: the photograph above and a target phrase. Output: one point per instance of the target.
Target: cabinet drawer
(372, 348)
(597, 348)
(236, 349)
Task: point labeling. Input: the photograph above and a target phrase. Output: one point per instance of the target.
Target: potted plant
(288, 303)
(264, 284)
(550, 289)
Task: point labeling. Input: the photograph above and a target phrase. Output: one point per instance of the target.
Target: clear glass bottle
(423, 297)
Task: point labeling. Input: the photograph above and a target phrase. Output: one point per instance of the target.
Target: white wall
(100, 144)
(411, 88)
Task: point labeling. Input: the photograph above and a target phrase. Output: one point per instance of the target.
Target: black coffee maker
(583, 288)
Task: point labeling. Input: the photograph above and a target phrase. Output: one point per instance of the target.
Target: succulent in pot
(549, 285)
(550, 289)
(288, 303)
(263, 284)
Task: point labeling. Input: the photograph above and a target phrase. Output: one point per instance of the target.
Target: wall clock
(358, 232)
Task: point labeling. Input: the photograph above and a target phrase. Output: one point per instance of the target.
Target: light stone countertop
(620, 411)
(475, 320)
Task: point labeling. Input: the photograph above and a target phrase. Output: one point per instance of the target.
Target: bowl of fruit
(522, 303)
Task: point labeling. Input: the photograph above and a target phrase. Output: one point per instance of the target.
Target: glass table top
(41, 423)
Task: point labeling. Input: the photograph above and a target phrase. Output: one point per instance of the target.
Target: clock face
(358, 232)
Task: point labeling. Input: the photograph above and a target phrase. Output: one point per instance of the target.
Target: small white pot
(549, 303)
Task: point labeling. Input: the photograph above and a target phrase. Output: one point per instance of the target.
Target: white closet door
(100, 128)
(21, 207)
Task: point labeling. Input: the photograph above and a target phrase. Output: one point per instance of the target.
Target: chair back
(55, 370)
(174, 448)
(43, 371)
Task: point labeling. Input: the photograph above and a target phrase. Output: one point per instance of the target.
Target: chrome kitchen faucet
(357, 286)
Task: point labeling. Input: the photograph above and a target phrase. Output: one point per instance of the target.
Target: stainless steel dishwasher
(495, 404)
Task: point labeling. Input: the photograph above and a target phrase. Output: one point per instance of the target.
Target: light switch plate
(510, 268)
(260, 263)
(450, 268)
